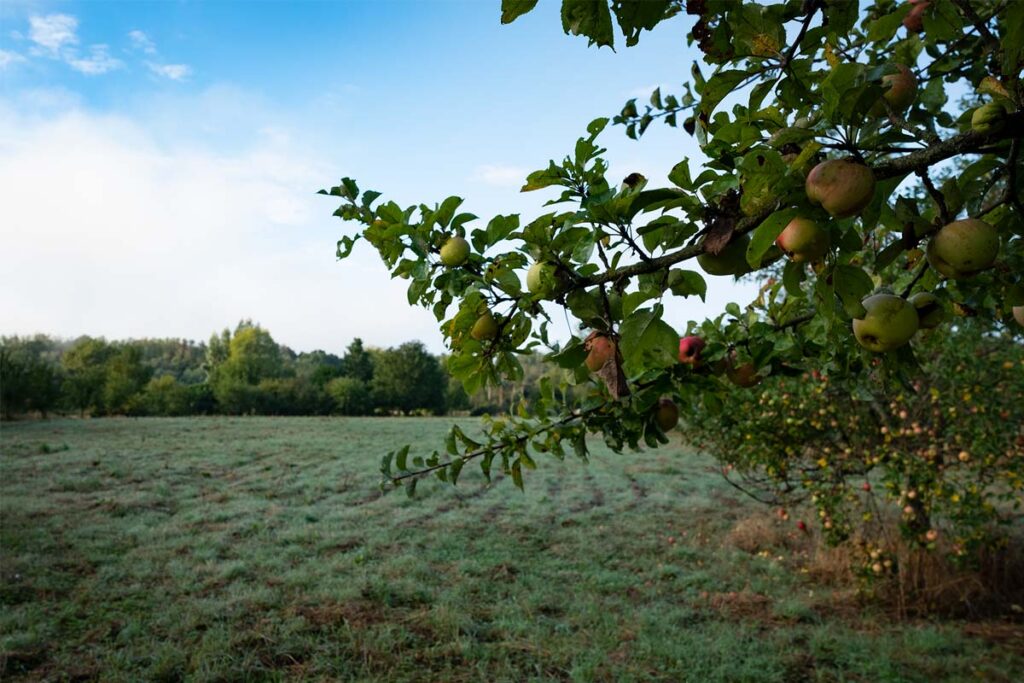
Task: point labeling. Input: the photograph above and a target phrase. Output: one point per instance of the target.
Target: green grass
(220, 549)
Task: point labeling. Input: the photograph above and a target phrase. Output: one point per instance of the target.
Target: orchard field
(218, 549)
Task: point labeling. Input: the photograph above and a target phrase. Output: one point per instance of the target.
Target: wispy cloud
(500, 176)
(644, 91)
(53, 32)
(140, 41)
(175, 72)
(98, 62)
(8, 58)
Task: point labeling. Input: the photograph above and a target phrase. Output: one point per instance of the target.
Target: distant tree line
(238, 372)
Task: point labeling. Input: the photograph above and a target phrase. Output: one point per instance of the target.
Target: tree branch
(496, 447)
(964, 143)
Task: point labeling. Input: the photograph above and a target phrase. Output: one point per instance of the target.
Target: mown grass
(220, 549)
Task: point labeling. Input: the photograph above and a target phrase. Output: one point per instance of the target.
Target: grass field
(221, 549)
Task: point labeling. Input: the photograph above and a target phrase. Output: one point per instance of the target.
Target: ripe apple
(545, 280)
(741, 375)
(889, 323)
(1018, 315)
(914, 21)
(842, 187)
(988, 118)
(455, 251)
(930, 312)
(600, 350)
(804, 240)
(900, 93)
(963, 248)
(485, 327)
(666, 415)
(730, 261)
(689, 350)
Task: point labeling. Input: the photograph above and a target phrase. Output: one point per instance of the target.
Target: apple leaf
(647, 340)
(513, 9)
(590, 18)
(884, 28)
(687, 283)
(765, 235)
(792, 276)
(635, 16)
(852, 284)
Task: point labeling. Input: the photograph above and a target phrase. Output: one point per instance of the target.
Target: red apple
(600, 350)
(901, 90)
(843, 188)
(914, 21)
(803, 240)
(689, 350)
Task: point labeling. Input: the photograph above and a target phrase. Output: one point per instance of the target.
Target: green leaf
(852, 284)
(884, 28)
(345, 245)
(680, 175)
(765, 234)
(401, 458)
(638, 15)
(648, 341)
(513, 9)
(590, 18)
(1011, 19)
(792, 276)
(444, 214)
(552, 175)
(718, 86)
(517, 474)
(686, 283)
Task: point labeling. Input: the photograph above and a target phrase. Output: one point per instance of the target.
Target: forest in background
(239, 372)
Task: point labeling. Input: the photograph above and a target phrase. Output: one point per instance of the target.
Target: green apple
(889, 323)
(485, 327)
(666, 414)
(988, 118)
(600, 350)
(544, 280)
(730, 261)
(900, 93)
(841, 187)
(455, 251)
(963, 248)
(804, 240)
(930, 312)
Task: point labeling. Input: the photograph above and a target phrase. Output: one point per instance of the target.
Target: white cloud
(8, 58)
(500, 176)
(109, 229)
(140, 41)
(98, 62)
(53, 32)
(175, 72)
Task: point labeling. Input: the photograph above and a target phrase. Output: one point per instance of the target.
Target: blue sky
(158, 160)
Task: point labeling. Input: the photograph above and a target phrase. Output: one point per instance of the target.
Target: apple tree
(861, 161)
